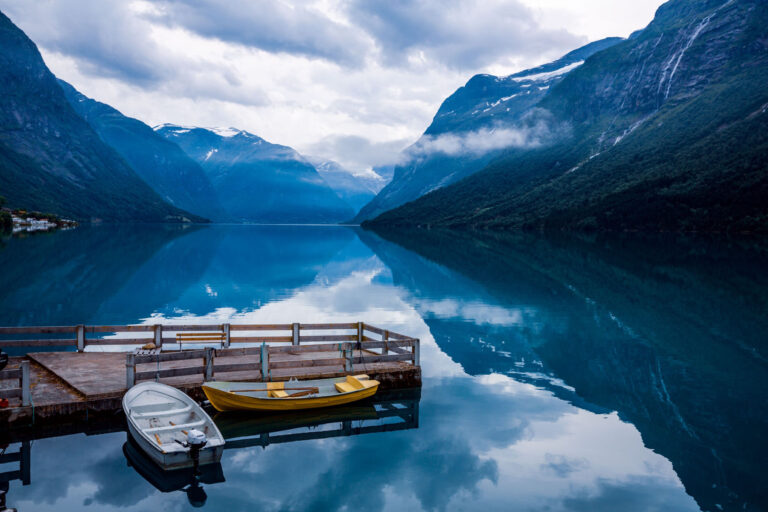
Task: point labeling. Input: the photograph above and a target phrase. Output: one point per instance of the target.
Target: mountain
(481, 110)
(51, 159)
(162, 164)
(257, 181)
(356, 189)
(668, 132)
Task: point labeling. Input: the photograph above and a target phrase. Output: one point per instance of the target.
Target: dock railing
(163, 335)
(357, 343)
(22, 391)
(359, 348)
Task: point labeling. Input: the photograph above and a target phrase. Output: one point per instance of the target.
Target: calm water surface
(609, 374)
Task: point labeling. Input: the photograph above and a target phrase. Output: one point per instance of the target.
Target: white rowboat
(170, 427)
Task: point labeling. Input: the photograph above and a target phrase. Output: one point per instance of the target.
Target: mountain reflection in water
(560, 373)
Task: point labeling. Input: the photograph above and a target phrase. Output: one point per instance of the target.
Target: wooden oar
(314, 389)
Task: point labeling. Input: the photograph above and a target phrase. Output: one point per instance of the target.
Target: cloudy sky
(350, 80)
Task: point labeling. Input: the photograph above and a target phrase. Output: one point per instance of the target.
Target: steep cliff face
(480, 111)
(668, 132)
(162, 164)
(257, 181)
(50, 158)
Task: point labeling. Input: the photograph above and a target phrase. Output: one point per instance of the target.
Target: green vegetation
(644, 155)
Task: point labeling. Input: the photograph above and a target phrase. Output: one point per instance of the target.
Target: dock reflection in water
(386, 412)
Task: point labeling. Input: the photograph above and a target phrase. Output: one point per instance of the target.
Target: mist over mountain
(475, 124)
(356, 189)
(668, 132)
(257, 181)
(51, 159)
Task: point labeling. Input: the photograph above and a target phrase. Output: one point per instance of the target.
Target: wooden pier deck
(70, 386)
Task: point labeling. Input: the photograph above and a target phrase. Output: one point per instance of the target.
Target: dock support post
(296, 338)
(348, 356)
(208, 360)
(25, 460)
(130, 370)
(80, 338)
(264, 362)
(227, 339)
(158, 336)
(26, 397)
(416, 352)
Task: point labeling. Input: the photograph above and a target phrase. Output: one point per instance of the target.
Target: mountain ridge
(161, 163)
(668, 135)
(51, 159)
(258, 181)
(485, 102)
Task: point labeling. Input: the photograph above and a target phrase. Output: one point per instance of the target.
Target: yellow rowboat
(289, 396)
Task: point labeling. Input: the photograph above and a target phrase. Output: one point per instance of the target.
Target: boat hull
(223, 400)
(169, 408)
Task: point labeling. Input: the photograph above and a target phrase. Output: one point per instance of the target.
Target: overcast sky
(350, 80)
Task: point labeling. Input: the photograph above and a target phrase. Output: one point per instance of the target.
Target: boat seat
(171, 428)
(277, 393)
(157, 414)
(351, 384)
(153, 407)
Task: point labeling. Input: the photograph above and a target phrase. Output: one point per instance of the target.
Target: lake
(604, 373)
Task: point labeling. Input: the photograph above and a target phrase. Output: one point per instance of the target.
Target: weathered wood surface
(72, 387)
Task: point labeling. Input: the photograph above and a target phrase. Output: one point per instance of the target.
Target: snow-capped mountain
(161, 163)
(257, 181)
(668, 131)
(486, 103)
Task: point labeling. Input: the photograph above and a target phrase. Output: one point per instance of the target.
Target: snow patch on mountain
(540, 77)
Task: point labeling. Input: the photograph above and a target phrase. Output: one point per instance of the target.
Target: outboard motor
(196, 441)
(3, 359)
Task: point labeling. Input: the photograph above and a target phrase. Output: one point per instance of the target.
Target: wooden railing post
(264, 362)
(359, 333)
(416, 352)
(26, 396)
(348, 353)
(80, 338)
(296, 339)
(130, 370)
(227, 338)
(385, 339)
(208, 360)
(158, 329)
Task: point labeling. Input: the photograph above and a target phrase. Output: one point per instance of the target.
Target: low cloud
(536, 130)
(356, 153)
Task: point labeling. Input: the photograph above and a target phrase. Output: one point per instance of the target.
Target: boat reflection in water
(385, 412)
(187, 479)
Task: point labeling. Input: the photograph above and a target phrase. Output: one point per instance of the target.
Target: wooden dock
(67, 386)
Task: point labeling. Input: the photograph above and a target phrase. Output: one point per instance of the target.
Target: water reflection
(623, 373)
(668, 332)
